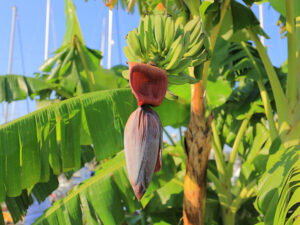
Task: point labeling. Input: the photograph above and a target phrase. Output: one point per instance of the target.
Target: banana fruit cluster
(167, 44)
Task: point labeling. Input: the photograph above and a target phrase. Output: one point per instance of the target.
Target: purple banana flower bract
(143, 145)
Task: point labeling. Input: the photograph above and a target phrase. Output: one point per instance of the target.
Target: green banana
(182, 65)
(195, 49)
(186, 42)
(176, 56)
(170, 95)
(147, 43)
(125, 74)
(147, 23)
(151, 30)
(179, 53)
(169, 33)
(172, 50)
(191, 24)
(147, 35)
(134, 43)
(148, 28)
(178, 30)
(199, 38)
(182, 18)
(181, 79)
(130, 56)
(159, 32)
(141, 35)
(196, 33)
(202, 58)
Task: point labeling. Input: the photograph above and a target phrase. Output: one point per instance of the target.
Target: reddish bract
(148, 83)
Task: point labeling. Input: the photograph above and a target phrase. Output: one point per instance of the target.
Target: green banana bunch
(168, 44)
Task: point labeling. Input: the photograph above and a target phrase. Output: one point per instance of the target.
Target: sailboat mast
(47, 29)
(10, 54)
(110, 41)
(103, 39)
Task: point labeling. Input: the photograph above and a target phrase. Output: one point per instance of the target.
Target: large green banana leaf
(279, 187)
(108, 196)
(18, 206)
(17, 87)
(51, 136)
(103, 198)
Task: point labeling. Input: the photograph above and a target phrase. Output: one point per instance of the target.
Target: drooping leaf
(168, 196)
(17, 206)
(217, 92)
(279, 6)
(106, 196)
(181, 79)
(52, 133)
(279, 185)
(236, 20)
(18, 87)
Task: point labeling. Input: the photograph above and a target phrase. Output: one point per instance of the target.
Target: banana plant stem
(264, 95)
(225, 199)
(298, 51)
(237, 142)
(224, 193)
(143, 218)
(280, 99)
(89, 74)
(268, 109)
(218, 27)
(292, 78)
(197, 149)
(229, 217)
(246, 192)
(218, 152)
(213, 39)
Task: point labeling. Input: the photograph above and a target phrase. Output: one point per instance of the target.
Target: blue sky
(30, 34)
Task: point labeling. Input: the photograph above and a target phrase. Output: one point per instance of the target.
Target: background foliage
(256, 108)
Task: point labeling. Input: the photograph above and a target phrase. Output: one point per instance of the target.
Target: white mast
(103, 39)
(261, 19)
(110, 41)
(11, 47)
(47, 30)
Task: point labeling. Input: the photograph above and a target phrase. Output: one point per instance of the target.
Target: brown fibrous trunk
(197, 149)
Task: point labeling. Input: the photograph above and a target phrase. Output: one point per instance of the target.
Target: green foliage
(17, 87)
(109, 198)
(280, 184)
(75, 70)
(57, 131)
(72, 24)
(280, 6)
(59, 126)
(102, 198)
(242, 88)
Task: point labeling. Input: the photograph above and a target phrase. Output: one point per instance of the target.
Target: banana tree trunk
(197, 149)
